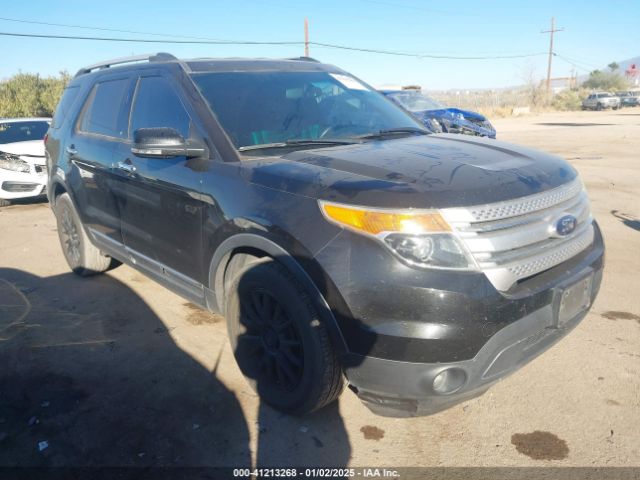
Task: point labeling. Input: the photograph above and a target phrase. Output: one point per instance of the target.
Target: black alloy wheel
(274, 340)
(278, 339)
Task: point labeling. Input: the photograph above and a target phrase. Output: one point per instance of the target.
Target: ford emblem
(566, 225)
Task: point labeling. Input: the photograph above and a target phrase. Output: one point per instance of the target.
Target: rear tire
(83, 257)
(281, 345)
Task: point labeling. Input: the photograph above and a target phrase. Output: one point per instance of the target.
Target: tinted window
(157, 105)
(22, 131)
(103, 112)
(415, 101)
(69, 95)
(258, 108)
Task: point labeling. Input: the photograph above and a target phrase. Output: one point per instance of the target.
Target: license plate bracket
(574, 299)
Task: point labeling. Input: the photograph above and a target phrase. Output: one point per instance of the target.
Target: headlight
(420, 238)
(13, 162)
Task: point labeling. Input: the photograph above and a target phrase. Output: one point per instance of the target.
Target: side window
(156, 104)
(102, 113)
(68, 96)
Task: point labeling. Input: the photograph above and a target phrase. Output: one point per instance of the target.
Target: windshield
(11, 132)
(259, 108)
(415, 101)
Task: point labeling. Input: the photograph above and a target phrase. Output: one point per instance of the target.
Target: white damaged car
(23, 170)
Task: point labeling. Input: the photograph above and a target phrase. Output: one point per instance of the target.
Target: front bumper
(15, 185)
(397, 389)
(405, 327)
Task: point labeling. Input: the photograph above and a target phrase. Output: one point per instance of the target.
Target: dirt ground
(117, 371)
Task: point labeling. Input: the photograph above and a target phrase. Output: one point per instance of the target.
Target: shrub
(599, 80)
(569, 99)
(29, 95)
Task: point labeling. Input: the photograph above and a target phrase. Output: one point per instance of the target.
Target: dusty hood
(31, 148)
(434, 171)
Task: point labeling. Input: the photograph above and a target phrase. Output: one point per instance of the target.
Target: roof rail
(150, 57)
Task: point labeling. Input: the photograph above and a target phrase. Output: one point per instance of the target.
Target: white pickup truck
(601, 100)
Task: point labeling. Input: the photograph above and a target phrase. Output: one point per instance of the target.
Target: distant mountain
(624, 64)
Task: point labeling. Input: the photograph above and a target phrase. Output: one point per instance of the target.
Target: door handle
(126, 167)
(71, 150)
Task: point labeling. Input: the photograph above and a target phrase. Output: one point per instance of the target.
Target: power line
(251, 42)
(104, 29)
(566, 59)
(148, 40)
(427, 55)
(574, 59)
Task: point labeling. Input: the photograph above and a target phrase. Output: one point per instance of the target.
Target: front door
(160, 206)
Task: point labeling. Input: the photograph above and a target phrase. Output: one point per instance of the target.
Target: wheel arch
(55, 189)
(255, 246)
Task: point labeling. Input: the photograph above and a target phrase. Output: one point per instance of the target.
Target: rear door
(160, 201)
(100, 127)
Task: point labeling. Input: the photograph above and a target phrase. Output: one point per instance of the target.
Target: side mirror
(164, 142)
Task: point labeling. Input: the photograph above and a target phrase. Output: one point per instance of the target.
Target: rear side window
(156, 104)
(68, 96)
(103, 111)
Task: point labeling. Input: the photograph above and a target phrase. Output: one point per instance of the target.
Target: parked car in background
(23, 171)
(438, 118)
(600, 101)
(629, 99)
(336, 235)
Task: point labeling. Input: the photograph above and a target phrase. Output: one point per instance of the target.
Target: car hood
(31, 148)
(434, 171)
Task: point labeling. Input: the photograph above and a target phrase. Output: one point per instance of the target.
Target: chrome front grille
(513, 240)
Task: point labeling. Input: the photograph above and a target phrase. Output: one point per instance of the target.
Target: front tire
(281, 345)
(4, 202)
(83, 257)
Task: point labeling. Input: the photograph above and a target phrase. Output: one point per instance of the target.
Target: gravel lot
(116, 370)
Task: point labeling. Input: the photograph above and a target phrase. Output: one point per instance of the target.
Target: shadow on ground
(90, 369)
(573, 124)
(627, 219)
(40, 200)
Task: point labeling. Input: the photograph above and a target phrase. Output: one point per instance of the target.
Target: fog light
(449, 380)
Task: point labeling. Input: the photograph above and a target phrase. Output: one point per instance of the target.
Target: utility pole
(551, 32)
(306, 37)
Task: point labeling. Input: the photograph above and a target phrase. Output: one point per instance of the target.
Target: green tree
(28, 95)
(599, 80)
(613, 66)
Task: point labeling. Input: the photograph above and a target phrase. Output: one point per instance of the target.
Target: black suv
(337, 237)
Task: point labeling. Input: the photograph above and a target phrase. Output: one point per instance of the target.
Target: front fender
(254, 241)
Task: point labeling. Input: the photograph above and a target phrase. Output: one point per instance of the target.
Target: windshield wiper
(298, 142)
(394, 131)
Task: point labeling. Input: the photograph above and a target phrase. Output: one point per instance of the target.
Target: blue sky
(595, 34)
